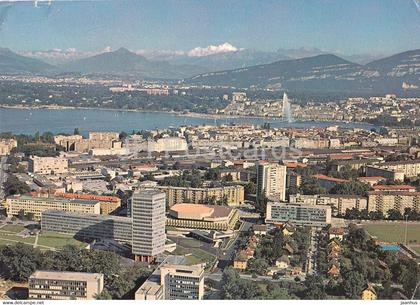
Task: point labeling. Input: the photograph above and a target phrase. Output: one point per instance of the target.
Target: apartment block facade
(48, 165)
(35, 205)
(60, 285)
(173, 281)
(306, 215)
(231, 195)
(88, 225)
(271, 180)
(383, 201)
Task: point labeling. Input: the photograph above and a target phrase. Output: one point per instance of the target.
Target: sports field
(394, 232)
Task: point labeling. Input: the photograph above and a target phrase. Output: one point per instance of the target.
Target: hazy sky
(347, 27)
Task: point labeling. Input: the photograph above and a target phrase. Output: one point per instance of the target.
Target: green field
(57, 240)
(394, 232)
(416, 248)
(12, 228)
(46, 240)
(8, 238)
(194, 255)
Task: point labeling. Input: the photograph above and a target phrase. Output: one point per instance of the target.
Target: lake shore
(177, 113)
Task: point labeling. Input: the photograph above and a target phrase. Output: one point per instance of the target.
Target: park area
(13, 233)
(394, 232)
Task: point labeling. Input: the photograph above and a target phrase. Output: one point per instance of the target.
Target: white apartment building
(271, 180)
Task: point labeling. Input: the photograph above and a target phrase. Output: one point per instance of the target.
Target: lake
(29, 121)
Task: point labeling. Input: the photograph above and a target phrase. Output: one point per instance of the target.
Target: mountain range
(325, 73)
(243, 69)
(12, 63)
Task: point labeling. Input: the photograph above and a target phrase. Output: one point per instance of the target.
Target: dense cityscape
(169, 171)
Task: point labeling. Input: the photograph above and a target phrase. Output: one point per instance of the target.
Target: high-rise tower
(148, 213)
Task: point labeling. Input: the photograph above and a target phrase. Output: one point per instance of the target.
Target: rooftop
(194, 211)
(88, 196)
(325, 177)
(102, 217)
(393, 187)
(66, 275)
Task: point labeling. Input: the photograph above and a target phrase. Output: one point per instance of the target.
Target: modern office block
(148, 214)
(88, 225)
(306, 215)
(60, 285)
(173, 280)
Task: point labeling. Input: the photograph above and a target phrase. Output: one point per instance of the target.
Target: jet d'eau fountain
(287, 111)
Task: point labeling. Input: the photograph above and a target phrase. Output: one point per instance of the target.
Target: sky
(346, 27)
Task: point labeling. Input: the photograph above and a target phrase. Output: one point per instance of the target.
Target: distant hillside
(124, 62)
(230, 60)
(12, 63)
(324, 72)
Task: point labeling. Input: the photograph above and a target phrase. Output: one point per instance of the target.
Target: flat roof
(325, 177)
(66, 275)
(207, 211)
(87, 216)
(393, 187)
(54, 199)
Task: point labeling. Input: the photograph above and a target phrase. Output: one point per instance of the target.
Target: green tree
(19, 261)
(104, 295)
(315, 289)
(353, 284)
(394, 214)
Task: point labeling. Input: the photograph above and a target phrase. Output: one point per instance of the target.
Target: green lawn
(7, 238)
(13, 228)
(394, 232)
(57, 240)
(194, 255)
(416, 248)
(46, 240)
(193, 243)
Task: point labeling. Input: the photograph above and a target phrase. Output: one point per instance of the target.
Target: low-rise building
(306, 215)
(6, 145)
(329, 182)
(241, 260)
(410, 168)
(200, 216)
(88, 226)
(389, 174)
(108, 203)
(48, 165)
(61, 285)
(35, 205)
(383, 201)
(339, 203)
(173, 280)
(369, 293)
(230, 195)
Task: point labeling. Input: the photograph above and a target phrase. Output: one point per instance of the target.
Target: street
(3, 176)
(227, 254)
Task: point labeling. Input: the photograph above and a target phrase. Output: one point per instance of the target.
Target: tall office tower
(271, 180)
(148, 213)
